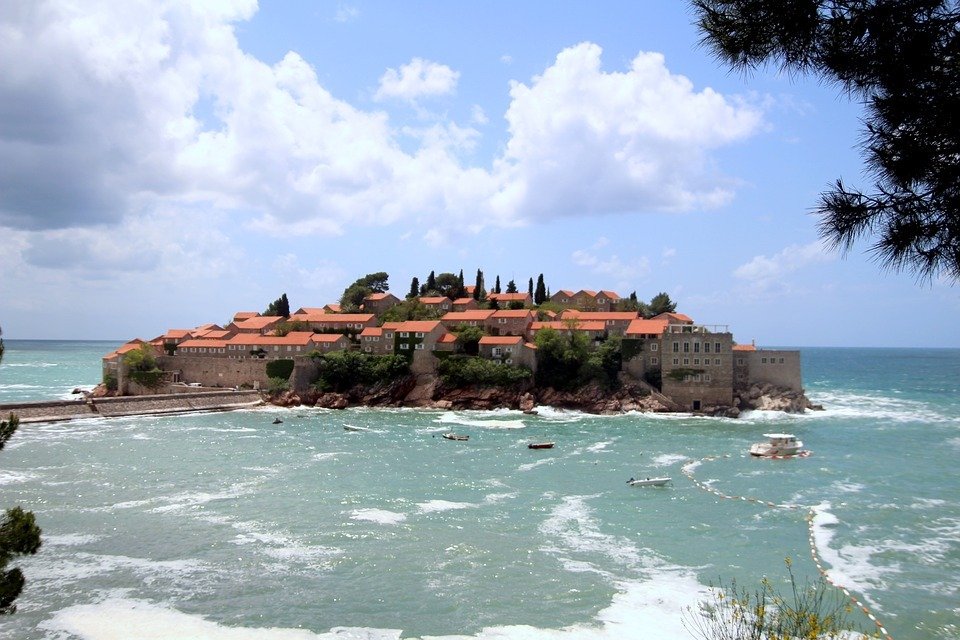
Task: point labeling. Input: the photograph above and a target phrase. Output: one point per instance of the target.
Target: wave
(668, 459)
(533, 465)
(470, 421)
(434, 506)
(380, 516)
(649, 608)
(839, 404)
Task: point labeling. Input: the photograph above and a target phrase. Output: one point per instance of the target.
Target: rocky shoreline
(428, 392)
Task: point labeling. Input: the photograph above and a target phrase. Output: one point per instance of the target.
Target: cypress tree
(414, 288)
(540, 294)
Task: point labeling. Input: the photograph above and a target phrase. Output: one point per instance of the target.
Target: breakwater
(59, 410)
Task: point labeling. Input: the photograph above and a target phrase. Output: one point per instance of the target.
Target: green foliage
(515, 304)
(811, 612)
(631, 348)
(679, 374)
(465, 371)
(410, 309)
(447, 284)
(110, 381)
(496, 286)
(567, 361)
(343, 370)
(277, 384)
(468, 339)
(142, 367)
(479, 293)
(540, 292)
(353, 295)
(431, 284)
(661, 303)
(898, 59)
(530, 288)
(511, 287)
(285, 326)
(7, 429)
(19, 535)
(414, 288)
(279, 307)
(280, 369)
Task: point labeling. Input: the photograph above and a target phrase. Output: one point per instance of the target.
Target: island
(451, 346)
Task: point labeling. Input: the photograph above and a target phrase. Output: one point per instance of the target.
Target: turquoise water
(227, 526)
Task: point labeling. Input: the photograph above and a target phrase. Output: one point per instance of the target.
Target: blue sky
(166, 164)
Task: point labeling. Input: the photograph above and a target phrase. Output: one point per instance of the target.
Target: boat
(779, 445)
(648, 482)
(540, 445)
(277, 421)
(350, 427)
(456, 436)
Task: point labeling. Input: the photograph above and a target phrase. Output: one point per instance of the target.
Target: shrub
(464, 371)
(813, 612)
(276, 385)
(280, 369)
(110, 381)
(342, 370)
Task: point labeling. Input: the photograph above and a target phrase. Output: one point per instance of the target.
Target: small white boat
(350, 427)
(779, 445)
(456, 436)
(648, 482)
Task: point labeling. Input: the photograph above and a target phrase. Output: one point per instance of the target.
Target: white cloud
(346, 13)
(416, 79)
(103, 119)
(612, 267)
(478, 115)
(585, 141)
(764, 273)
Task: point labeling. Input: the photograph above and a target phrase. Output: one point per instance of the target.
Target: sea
(229, 526)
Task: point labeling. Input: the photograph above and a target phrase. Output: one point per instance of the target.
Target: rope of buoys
(687, 470)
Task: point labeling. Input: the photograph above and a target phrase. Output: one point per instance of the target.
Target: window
(368, 349)
(696, 361)
(676, 347)
(509, 349)
(716, 347)
(497, 351)
(289, 347)
(404, 346)
(418, 334)
(686, 361)
(696, 378)
(404, 334)
(716, 361)
(739, 362)
(763, 360)
(654, 360)
(696, 347)
(706, 347)
(686, 347)
(706, 377)
(418, 346)
(501, 321)
(653, 346)
(781, 360)
(676, 361)
(509, 360)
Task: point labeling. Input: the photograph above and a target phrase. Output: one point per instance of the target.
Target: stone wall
(217, 372)
(777, 367)
(709, 369)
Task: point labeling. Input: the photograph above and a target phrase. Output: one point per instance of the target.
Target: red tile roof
(244, 315)
(447, 338)
(466, 316)
(302, 338)
(512, 313)
(421, 326)
(500, 339)
(258, 322)
(176, 334)
(647, 327)
(434, 299)
(509, 297)
(598, 315)
(570, 325)
(378, 296)
(202, 343)
(744, 347)
(675, 318)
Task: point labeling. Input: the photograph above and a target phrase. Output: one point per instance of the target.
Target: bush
(465, 371)
(813, 612)
(342, 370)
(280, 369)
(142, 366)
(110, 381)
(276, 385)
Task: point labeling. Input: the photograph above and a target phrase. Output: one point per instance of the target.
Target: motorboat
(456, 436)
(778, 445)
(647, 482)
(540, 445)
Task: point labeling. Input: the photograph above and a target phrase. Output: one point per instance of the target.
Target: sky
(166, 164)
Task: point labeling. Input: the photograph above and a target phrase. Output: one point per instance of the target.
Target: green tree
(447, 284)
(431, 285)
(461, 287)
(468, 339)
(661, 303)
(479, 293)
(540, 292)
(900, 60)
(530, 288)
(512, 287)
(19, 533)
(496, 286)
(279, 307)
(353, 295)
(414, 288)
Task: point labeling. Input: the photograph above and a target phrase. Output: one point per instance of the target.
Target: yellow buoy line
(687, 470)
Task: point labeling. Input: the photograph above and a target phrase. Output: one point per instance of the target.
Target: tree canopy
(279, 307)
(901, 60)
(353, 295)
(661, 303)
